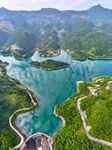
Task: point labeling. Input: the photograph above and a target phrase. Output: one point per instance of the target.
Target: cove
(52, 87)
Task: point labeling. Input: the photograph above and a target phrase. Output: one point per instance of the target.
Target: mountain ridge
(49, 8)
(41, 23)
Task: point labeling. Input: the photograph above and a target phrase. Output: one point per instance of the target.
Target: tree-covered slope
(22, 43)
(25, 40)
(99, 113)
(50, 44)
(92, 41)
(12, 98)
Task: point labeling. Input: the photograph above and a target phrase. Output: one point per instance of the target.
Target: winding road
(82, 114)
(11, 117)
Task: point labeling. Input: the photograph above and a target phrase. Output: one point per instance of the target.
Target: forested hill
(94, 42)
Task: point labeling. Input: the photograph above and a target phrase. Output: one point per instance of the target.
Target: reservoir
(52, 87)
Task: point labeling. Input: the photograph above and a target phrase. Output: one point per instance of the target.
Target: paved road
(108, 86)
(85, 125)
(24, 109)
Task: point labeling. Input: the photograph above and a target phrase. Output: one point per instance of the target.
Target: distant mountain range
(22, 32)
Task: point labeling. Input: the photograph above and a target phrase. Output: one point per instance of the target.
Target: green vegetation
(50, 45)
(79, 55)
(99, 110)
(22, 43)
(12, 98)
(50, 64)
(88, 43)
(24, 39)
(99, 114)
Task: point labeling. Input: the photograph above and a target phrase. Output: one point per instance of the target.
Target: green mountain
(22, 43)
(89, 42)
(30, 30)
(24, 39)
(50, 45)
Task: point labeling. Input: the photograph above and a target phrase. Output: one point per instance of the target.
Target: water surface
(52, 87)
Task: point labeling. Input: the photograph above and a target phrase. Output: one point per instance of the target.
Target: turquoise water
(52, 88)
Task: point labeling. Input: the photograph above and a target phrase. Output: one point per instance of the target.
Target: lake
(52, 87)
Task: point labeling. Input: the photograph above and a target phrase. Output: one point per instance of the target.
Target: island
(50, 64)
(87, 116)
(14, 99)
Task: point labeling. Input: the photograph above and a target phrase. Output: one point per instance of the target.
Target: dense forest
(99, 114)
(88, 43)
(12, 98)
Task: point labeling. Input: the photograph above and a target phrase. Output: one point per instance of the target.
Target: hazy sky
(59, 4)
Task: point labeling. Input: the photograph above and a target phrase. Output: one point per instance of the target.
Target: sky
(59, 4)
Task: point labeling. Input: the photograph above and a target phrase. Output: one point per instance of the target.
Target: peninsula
(87, 117)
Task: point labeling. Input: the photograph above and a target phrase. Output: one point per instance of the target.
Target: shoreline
(87, 134)
(90, 58)
(62, 119)
(49, 64)
(74, 58)
(35, 103)
(51, 69)
(12, 124)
